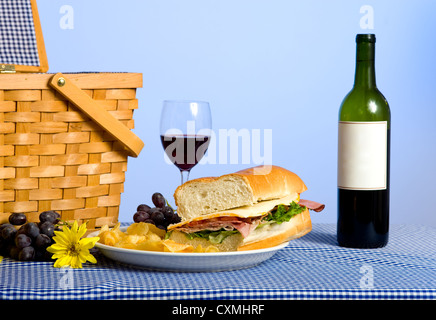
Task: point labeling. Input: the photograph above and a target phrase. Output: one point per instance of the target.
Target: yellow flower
(69, 249)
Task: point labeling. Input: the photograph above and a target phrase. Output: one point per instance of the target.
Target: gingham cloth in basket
(17, 33)
(312, 267)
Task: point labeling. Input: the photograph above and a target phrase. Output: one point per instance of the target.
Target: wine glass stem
(184, 174)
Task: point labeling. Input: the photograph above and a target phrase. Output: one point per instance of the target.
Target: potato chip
(110, 236)
(211, 249)
(153, 237)
(172, 246)
(145, 236)
(150, 246)
(160, 232)
(130, 241)
(140, 228)
(200, 249)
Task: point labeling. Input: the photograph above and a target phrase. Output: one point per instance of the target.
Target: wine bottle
(364, 157)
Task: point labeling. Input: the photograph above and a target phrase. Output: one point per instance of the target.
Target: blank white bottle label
(362, 155)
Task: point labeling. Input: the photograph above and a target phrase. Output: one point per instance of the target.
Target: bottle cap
(365, 38)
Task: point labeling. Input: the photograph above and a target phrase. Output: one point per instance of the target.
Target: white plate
(188, 262)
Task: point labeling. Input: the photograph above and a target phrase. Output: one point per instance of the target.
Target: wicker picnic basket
(64, 144)
(64, 138)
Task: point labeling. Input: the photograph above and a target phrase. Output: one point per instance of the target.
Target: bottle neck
(365, 69)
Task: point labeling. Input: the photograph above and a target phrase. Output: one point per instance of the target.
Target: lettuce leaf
(284, 213)
(216, 237)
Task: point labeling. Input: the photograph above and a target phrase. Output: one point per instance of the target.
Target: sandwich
(254, 208)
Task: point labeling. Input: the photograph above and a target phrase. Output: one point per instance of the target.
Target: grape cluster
(28, 241)
(161, 215)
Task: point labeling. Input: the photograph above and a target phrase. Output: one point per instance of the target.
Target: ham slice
(312, 205)
(244, 226)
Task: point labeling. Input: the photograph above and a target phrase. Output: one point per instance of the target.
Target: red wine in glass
(185, 151)
(185, 132)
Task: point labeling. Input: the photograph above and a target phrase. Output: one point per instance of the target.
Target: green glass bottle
(364, 157)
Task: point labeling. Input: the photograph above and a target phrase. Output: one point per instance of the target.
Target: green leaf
(285, 213)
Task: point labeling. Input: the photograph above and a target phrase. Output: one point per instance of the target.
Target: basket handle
(96, 112)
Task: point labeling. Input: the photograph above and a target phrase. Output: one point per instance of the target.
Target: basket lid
(21, 38)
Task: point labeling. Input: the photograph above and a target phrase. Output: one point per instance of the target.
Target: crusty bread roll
(247, 187)
(266, 237)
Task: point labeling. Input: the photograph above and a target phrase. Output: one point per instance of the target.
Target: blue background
(280, 65)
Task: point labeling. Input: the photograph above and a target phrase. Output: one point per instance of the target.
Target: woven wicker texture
(53, 157)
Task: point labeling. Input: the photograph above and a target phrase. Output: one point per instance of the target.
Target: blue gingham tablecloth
(17, 33)
(312, 267)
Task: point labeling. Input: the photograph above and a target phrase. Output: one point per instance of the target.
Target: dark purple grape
(149, 221)
(5, 225)
(47, 228)
(42, 241)
(26, 254)
(8, 233)
(22, 241)
(50, 216)
(168, 213)
(176, 219)
(140, 216)
(31, 229)
(137, 217)
(157, 216)
(158, 200)
(4, 242)
(21, 230)
(143, 207)
(57, 216)
(153, 210)
(17, 219)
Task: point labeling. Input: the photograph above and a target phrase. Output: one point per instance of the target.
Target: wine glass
(185, 131)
